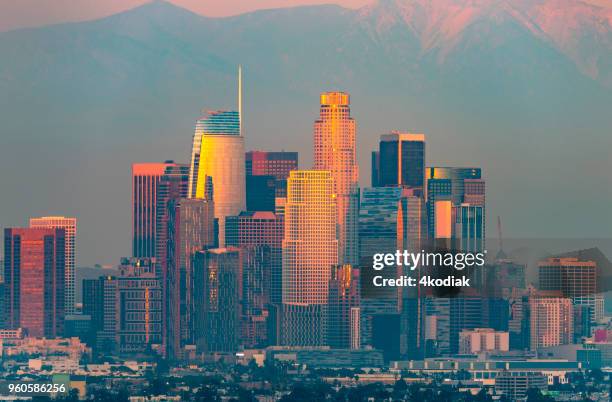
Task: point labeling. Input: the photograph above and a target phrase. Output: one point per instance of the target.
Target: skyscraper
(218, 161)
(469, 228)
(218, 275)
(34, 275)
(145, 179)
(190, 229)
(266, 177)
(262, 229)
(344, 298)
(334, 151)
(70, 227)
(172, 186)
(551, 321)
(575, 279)
(310, 250)
(139, 306)
(99, 302)
(221, 157)
(390, 219)
(456, 201)
(457, 177)
(400, 160)
(255, 296)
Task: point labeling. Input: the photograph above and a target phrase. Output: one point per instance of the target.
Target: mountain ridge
(82, 101)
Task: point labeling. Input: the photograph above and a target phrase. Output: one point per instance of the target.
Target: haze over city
(86, 100)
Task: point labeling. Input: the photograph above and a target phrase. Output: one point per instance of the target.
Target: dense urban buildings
(250, 275)
(70, 229)
(334, 151)
(34, 275)
(218, 275)
(190, 229)
(483, 340)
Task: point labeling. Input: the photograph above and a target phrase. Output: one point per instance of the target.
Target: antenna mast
(240, 96)
(499, 233)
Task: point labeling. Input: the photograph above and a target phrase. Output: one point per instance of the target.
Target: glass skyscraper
(218, 157)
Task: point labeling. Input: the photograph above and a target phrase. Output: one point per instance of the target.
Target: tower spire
(240, 96)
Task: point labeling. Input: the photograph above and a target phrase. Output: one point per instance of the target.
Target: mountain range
(521, 88)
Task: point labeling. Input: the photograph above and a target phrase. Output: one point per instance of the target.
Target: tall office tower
(260, 229)
(551, 321)
(93, 305)
(190, 229)
(99, 302)
(469, 228)
(277, 164)
(375, 178)
(34, 275)
(575, 279)
(70, 226)
(172, 186)
(390, 219)
(344, 298)
(139, 307)
(221, 158)
(218, 276)
(401, 160)
(255, 296)
(310, 250)
(334, 151)
(145, 179)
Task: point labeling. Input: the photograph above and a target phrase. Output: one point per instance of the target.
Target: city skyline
(402, 200)
(137, 115)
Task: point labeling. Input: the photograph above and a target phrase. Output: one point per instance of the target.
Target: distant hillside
(521, 88)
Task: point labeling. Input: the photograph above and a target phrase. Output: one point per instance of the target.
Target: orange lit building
(145, 180)
(310, 250)
(334, 151)
(70, 227)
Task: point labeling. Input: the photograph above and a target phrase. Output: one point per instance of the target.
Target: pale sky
(28, 13)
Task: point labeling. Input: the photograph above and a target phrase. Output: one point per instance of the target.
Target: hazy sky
(27, 13)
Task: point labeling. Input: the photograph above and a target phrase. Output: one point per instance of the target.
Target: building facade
(221, 158)
(190, 229)
(218, 276)
(70, 229)
(401, 160)
(139, 307)
(551, 321)
(334, 151)
(310, 250)
(145, 180)
(34, 267)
